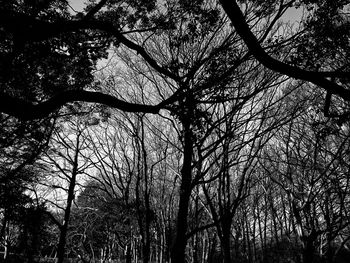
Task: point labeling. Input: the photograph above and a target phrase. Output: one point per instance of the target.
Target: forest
(175, 131)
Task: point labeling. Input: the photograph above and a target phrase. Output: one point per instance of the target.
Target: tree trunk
(309, 246)
(225, 238)
(179, 246)
(128, 253)
(227, 249)
(147, 242)
(70, 198)
(308, 253)
(6, 237)
(64, 227)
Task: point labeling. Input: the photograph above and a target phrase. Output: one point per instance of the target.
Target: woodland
(177, 131)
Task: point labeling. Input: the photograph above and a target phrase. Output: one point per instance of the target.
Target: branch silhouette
(318, 78)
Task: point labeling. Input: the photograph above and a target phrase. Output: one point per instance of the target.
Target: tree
(102, 225)
(20, 146)
(65, 161)
(46, 40)
(35, 235)
(23, 220)
(13, 200)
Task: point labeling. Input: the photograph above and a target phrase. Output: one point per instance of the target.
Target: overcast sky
(77, 5)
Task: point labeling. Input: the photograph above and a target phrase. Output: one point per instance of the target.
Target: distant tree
(36, 234)
(16, 205)
(102, 226)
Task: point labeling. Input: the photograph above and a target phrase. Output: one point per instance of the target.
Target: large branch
(95, 9)
(238, 21)
(27, 111)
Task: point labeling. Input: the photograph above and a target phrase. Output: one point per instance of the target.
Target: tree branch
(238, 21)
(95, 9)
(25, 110)
(327, 104)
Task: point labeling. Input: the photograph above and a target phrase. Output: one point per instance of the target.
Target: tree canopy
(49, 54)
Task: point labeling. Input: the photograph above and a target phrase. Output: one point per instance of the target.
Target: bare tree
(65, 161)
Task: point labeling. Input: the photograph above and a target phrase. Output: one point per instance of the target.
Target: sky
(292, 14)
(77, 5)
